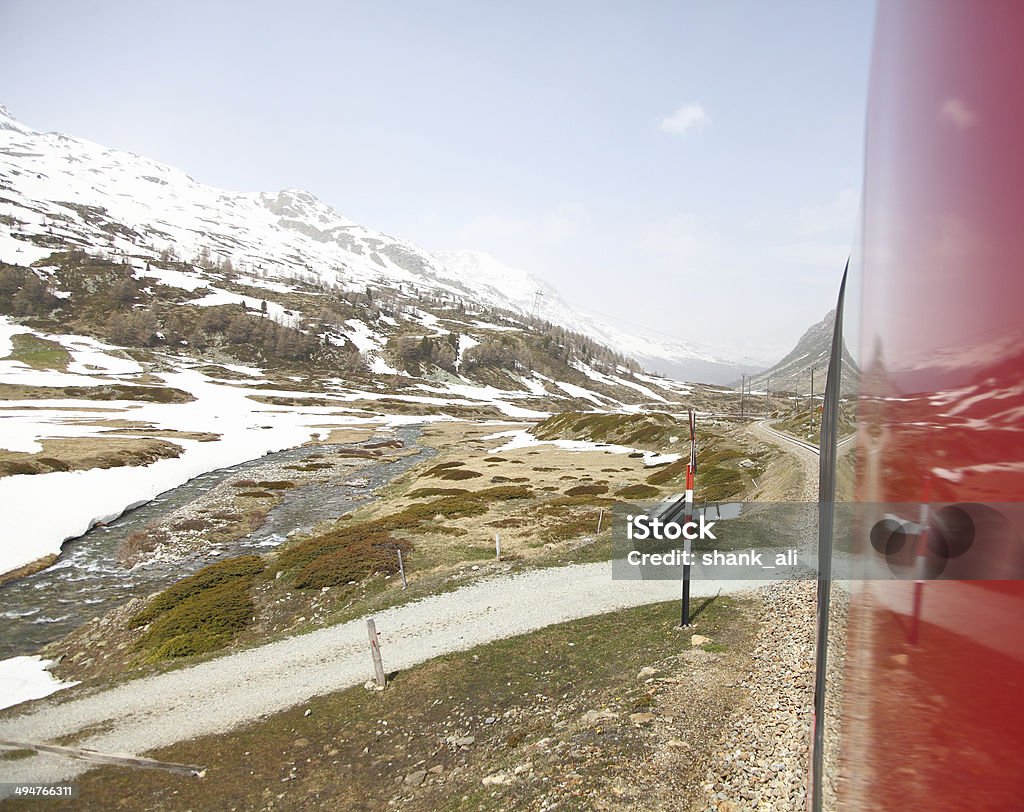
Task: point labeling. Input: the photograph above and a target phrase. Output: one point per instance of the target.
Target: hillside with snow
(525, 293)
(60, 192)
(153, 328)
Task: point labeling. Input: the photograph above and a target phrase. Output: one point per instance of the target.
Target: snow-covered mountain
(59, 192)
(812, 352)
(527, 294)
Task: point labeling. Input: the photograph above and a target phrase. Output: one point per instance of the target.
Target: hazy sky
(691, 166)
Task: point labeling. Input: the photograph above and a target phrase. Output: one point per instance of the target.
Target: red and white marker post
(691, 472)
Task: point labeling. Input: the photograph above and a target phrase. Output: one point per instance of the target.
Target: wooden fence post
(401, 569)
(378, 666)
(600, 519)
(497, 546)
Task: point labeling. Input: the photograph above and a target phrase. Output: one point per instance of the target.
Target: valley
(234, 426)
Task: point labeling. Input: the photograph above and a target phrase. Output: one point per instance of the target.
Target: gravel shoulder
(761, 762)
(218, 695)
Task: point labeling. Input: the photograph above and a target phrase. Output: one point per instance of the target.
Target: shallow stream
(87, 580)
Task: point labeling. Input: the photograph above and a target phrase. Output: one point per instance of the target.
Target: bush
(373, 554)
(637, 492)
(587, 490)
(244, 568)
(419, 493)
(443, 466)
(457, 474)
(201, 613)
(668, 473)
(503, 492)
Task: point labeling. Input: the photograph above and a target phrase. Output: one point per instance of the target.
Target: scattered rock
(592, 717)
(641, 718)
(416, 779)
(465, 741)
(699, 640)
(495, 779)
(646, 672)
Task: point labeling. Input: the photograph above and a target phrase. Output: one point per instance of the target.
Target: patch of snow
(223, 297)
(363, 337)
(580, 392)
(172, 278)
(25, 678)
(465, 343)
(521, 438)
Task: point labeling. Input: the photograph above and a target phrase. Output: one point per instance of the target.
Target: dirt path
(216, 696)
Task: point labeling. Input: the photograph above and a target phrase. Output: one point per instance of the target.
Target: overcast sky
(690, 166)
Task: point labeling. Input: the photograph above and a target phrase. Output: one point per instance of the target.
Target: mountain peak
(9, 122)
(300, 204)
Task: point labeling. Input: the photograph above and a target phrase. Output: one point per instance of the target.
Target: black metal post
(684, 620)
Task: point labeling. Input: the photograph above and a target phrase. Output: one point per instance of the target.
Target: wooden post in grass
(378, 666)
(600, 518)
(401, 568)
(497, 546)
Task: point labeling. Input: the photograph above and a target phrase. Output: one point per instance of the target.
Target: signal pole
(691, 471)
(767, 389)
(743, 390)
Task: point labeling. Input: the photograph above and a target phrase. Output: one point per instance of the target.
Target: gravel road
(218, 695)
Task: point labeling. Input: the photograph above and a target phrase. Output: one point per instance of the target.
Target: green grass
(201, 613)
(39, 353)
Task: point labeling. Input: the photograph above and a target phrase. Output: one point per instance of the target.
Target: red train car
(921, 683)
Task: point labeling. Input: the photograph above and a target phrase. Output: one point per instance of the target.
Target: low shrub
(194, 525)
(587, 490)
(245, 568)
(668, 472)
(420, 493)
(201, 613)
(637, 492)
(457, 474)
(372, 554)
(443, 466)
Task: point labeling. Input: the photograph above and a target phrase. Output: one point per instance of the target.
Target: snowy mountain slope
(812, 351)
(58, 191)
(519, 291)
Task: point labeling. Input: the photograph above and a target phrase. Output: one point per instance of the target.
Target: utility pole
(812, 397)
(743, 389)
(767, 389)
(537, 296)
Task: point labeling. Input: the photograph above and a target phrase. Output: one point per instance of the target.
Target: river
(87, 581)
